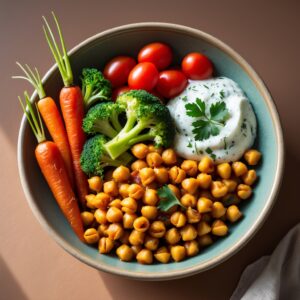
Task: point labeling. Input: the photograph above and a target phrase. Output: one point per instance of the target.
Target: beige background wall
(266, 33)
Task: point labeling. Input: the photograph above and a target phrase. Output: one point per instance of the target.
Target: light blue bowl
(95, 51)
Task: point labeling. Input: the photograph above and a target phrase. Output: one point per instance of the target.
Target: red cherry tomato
(171, 83)
(197, 66)
(157, 53)
(118, 69)
(143, 76)
(120, 90)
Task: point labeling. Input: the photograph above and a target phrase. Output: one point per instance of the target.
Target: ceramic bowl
(128, 39)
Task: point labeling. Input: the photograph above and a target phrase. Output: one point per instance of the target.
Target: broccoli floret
(103, 118)
(94, 159)
(94, 87)
(147, 120)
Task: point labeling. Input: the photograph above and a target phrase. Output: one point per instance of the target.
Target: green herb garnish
(167, 198)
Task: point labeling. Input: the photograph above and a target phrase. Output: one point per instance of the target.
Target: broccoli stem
(141, 138)
(115, 121)
(105, 128)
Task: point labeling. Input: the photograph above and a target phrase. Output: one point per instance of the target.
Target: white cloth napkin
(275, 277)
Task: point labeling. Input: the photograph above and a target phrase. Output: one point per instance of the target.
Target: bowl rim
(260, 218)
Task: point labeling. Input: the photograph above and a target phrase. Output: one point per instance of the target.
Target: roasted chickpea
(203, 228)
(178, 253)
(190, 167)
(100, 200)
(219, 228)
(121, 174)
(252, 157)
(144, 257)
(191, 248)
(87, 218)
(204, 205)
(129, 205)
(193, 216)
(111, 188)
(178, 219)
(218, 210)
(125, 253)
(150, 197)
(102, 229)
(136, 191)
(218, 189)
(95, 183)
(176, 175)
(190, 185)
(244, 191)
(149, 212)
(169, 157)
(115, 203)
(128, 220)
(152, 148)
(188, 200)
(123, 190)
(124, 239)
(105, 245)
(138, 165)
(188, 233)
(147, 176)
(231, 184)
(100, 216)
(239, 168)
(162, 255)
(140, 150)
(141, 224)
(136, 237)
(115, 231)
(151, 243)
(204, 180)
(154, 159)
(233, 213)
(172, 236)
(91, 236)
(114, 215)
(224, 170)
(250, 177)
(157, 229)
(161, 175)
(136, 249)
(175, 190)
(205, 240)
(206, 165)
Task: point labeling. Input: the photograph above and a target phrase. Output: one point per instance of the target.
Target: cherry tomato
(143, 76)
(120, 90)
(197, 66)
(171, 83)
(118, 69)
(157, 53)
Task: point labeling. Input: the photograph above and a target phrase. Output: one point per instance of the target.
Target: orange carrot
(53, 168)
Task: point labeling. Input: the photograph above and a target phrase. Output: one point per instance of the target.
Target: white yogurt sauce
(238, 133)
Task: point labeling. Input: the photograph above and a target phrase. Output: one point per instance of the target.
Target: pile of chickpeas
(123, 216)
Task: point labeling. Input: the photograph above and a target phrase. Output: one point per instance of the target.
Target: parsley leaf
(167, 198)
(196, 109)
(218, 112)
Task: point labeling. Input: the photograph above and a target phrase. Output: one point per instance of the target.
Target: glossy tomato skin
(197, 66)
(171, 83)
(159, 54)
(120, 90)
(143, 76)
(118, 69)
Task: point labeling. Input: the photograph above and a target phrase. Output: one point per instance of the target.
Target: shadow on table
(9, 286)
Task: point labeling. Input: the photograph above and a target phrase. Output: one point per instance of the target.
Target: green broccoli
(103, 118)
(94, 87)
(94, 159)
(147, 120)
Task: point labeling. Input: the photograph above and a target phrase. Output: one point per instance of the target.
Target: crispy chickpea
(121, 174)
(172, 236)
(91, 236)
(115, 231)
(151, 243)
(178, 253)
(147, 176)
(178, 219)
(231, 184)
(218, 189)
(218, 210)
(129, 205)
(105, 245)
(250, 177)
(111, 188)
(136, 249)
(115, 203)
(190, 167)
(150, 197)
(188, 232)
(190, 185)
(152, 148)
(193, 216)
(244, 191)
(136, 191)
(124, 239)
(100, 216)
(141, 224)
(175, 190)
(144, 257)
(204, 205)
(188, 200)
(123, 190)
(157, 229)
(128, 220)
(224, 170)
(203, 228)
(102, 229)
(149, 212)
(176, 175)
(233, 213)
(125, 253)
(252, 157)
(191, 248)
(140, 150)
(206, 165)
(239, 168)
(100, 200)
(161, 175)
(87, 218)
(95, 183)
(204, 180)
(114, 215)
(219, 228)
(205, 240)
(136, 237)
(169, 156)
(162, 255)
(138, 165)
(154, 159)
